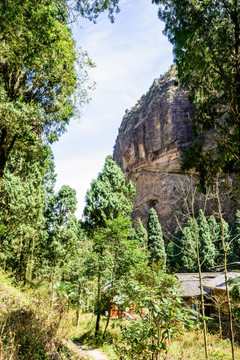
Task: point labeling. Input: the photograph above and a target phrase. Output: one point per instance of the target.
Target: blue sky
(129, 55)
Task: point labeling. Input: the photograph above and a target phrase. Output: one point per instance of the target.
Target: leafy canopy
(38, 74)
(206, 45)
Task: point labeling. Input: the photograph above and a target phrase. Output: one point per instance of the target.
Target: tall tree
(38, 74)
(156, 245)
(235, 239)
(187, 245)
(207, 248)
(107, 214)
(206, 45)
(21, 215)
(62, 232)
(141, 234)
(108, 196)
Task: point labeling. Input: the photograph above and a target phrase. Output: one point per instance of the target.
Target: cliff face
(149, 148)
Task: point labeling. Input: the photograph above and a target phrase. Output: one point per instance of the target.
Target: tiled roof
(190, 285)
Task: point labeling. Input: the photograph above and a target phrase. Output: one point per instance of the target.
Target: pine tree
(214, 229)
(156, 245)
(207, 248)
(141, 234)
(223, 232)
(108, 196)
(21, 215)
(62, 232)
(188, 249)
(107, 214)
(235, 239)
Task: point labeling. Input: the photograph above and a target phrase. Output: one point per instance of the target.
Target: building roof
(190, 285)
(219, 281)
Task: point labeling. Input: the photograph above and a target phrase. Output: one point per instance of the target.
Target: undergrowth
(30, 330)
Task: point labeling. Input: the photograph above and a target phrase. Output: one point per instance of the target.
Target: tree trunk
(220, 322)
(78, 316)
(225, 250)
(20, 261)
(202, 306)
(31, 259)
(108, 319)
(79, 308)
(200, 277)
(98, 304)
(53, 285)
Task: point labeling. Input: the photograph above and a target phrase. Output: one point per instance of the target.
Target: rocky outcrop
(150, 145)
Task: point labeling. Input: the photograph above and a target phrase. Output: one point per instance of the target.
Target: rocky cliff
(150, 145)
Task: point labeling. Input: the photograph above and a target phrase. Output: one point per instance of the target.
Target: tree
(206, 46)
(187, 245)
(107, 216)
(153, 296)
(235, 236)
(156, 245)
(108, 196)
(21, 215)
(207, 248)
(38, 74)
(225, 250)
(92, 10)
(141, 234)
(62, 232)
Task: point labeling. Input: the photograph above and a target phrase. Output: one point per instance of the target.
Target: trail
(87, 354)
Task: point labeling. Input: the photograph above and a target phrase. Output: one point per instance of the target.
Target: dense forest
(63, 278)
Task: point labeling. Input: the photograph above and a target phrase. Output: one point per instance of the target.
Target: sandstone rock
(150, 145)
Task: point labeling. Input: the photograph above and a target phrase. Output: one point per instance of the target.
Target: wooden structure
(214, 290)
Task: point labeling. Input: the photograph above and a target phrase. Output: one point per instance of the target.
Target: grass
(29, 330)
(185, 346)
(189, 346)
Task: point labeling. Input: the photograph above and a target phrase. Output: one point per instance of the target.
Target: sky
(129, 54)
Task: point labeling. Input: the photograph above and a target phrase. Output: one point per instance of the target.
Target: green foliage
(141, 234)
(156, 245)
(235, 238)
(21, 215)
(91, 10)
(207, 248)
(198, 235)
(223, 233)
(62, 230)
(107, 213)
(38, 74)
(28, 330)
(205, 38)
(108, 196)
(160, 315)
(188, 258)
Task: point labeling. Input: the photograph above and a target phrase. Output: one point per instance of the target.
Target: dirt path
(87, 354)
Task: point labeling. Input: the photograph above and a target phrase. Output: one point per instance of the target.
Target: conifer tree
(107, 219)
(156, 245)
(214, 229)
(207, 248)
(188, 245)
(141, 234)
(62, 232)
(223, 231)
(108, 196)
(235, 239)
(21, 215)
